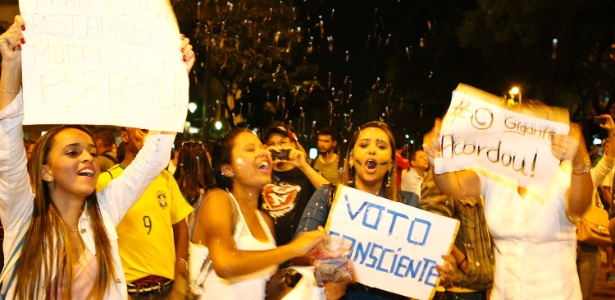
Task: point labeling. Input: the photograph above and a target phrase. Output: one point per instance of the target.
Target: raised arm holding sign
(105, 54)
(531, 220)
(60, 238)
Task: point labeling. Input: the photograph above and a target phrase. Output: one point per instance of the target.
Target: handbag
(200, 266)
(199, 260)
(593, 227)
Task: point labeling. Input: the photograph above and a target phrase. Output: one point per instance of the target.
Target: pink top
(84, 277)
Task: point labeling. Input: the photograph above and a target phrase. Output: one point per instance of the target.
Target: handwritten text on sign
(103, 62)
(395, 247)
(508, 145)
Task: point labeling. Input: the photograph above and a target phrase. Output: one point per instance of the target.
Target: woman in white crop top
(237, 235)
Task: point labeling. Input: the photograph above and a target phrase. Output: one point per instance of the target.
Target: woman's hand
(187, 53)
(11, 41)
(447, 270)
(431, 142)
(565, 147)
(10, 49)
(609, 125)
(297, 158)
(305, 241)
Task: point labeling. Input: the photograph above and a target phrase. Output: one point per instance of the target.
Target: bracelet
(586, 166)
(184, 262)
(8, 92)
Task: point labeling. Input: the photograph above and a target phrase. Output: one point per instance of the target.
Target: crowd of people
(87, 218)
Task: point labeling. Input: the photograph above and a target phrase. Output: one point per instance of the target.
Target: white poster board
(104, 62)
(395, 247)
(511, 144)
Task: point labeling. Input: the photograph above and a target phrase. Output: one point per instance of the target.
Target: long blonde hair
(389, 185)
(48, 248)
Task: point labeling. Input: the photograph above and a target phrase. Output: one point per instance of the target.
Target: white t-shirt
(412, 182)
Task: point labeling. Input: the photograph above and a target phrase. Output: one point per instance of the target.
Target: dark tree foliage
(561, 53)
(250, 59)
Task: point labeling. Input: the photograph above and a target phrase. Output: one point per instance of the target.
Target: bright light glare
(192, 107)
(313, 153)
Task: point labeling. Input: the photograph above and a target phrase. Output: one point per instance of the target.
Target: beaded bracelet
(8, 92)
(586, 166)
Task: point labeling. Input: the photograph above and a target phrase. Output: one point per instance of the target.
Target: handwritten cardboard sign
(511, 144)
(395, 247)
(105, 62)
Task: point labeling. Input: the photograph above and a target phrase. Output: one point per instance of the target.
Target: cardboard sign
(511, 144)
(106, 62)
(395, 247)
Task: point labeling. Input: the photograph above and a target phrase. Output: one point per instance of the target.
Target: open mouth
(263, 165)
(371, 164)
(86, 172)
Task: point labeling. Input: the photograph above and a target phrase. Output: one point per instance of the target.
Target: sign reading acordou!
(509, 144)
(395, 247)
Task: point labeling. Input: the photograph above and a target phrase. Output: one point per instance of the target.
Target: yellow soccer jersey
(146, 241)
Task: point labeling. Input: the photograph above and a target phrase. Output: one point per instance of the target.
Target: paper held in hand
(395, 247)
(510, 144)
(103, 63)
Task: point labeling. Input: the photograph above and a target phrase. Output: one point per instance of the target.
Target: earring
(388, 182)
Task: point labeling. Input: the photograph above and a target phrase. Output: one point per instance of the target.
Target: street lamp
(218, 125)
(514, 92)
(192, 107)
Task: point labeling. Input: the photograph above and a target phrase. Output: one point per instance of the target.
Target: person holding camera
(293, 181)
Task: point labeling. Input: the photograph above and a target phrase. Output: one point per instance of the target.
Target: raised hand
(609, 125)
(565, 147)
(187, 53)
(431, 143)
(11, 41)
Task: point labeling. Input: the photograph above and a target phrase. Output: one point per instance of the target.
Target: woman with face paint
(60, 238)
(369, 166)
(238, 236)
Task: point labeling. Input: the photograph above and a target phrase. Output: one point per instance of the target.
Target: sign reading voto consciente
(395, 247)
(508, 143)
(103, 62)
